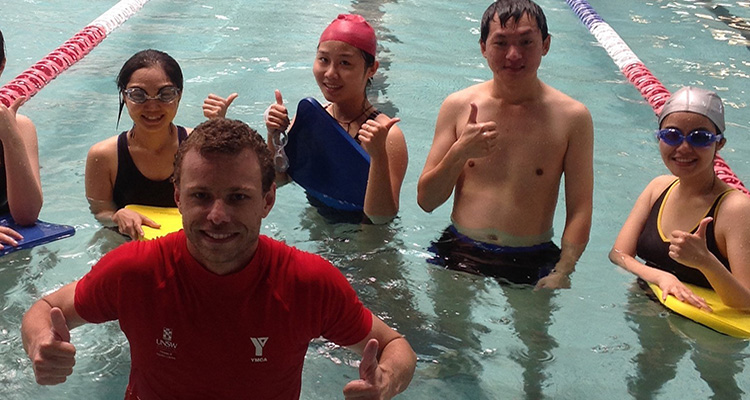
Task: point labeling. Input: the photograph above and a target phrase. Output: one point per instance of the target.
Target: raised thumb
(59, 326)
(231, 98)
(369, 365)
(279, 99)
(701, 232)
(473, 114)
(17, 104)
(392, 122)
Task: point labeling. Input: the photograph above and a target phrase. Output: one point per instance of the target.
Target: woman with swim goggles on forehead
(136, 166)
(690, 226)
(344, 65)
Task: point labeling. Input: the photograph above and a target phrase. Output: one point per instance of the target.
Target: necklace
(349, 123)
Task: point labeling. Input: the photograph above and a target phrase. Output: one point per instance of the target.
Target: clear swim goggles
(697, 138)
(280, 160)
(167, 94)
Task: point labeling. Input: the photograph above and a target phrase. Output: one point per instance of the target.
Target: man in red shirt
(218, 310)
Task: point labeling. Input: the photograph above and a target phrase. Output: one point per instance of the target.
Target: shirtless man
(504, 145)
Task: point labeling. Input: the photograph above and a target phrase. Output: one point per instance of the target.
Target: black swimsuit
(331, 214)
(370, 116)
(4, 207)
(131, 187)
(653, 245)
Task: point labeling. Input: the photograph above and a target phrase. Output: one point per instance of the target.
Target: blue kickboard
(34, 235)
(325, 160)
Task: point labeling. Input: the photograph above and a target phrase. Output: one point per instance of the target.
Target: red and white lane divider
(637, 73)
(33, 79)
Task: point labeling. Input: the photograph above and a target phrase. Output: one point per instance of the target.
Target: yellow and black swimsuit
(653, 244)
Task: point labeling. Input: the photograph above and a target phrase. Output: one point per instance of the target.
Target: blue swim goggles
(696, 138)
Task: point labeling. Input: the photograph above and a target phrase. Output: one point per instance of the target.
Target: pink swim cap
(351, 29)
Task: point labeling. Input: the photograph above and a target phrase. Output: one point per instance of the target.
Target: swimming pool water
(475, 338)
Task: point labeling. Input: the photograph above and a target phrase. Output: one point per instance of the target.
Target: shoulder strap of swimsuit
(717, 202)
(374, 114)
(122, 148)
(663, 199)
(181, 134)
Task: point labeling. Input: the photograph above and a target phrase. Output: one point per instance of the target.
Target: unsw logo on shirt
(165, 347)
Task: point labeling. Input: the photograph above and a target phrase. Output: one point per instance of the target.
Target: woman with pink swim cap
(343, 68)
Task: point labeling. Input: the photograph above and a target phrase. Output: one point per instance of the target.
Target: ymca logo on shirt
(259, 343)
(165, 347)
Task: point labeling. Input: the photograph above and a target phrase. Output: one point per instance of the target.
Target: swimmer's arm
(101, 170)
(101, 167)
(624, 249)
(387, 368)
(47, 342)
(579, 187)
(21, 154)
(385, 178)
(731, 226)
(445, 162)
(128, 222)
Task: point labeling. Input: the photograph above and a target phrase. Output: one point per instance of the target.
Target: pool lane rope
(32, 80)
(636, 72)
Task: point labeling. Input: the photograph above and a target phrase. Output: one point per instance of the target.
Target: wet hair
(369, 59)
(369, 62)
(228, 137)
(2, 50)
(146, 59)
(512, 9)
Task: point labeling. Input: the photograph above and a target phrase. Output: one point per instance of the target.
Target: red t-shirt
(194, 334)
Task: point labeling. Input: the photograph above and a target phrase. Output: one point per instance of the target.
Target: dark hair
(369, 62)
(146, 59)
(230, 137)
(2, 49)
(515, 9)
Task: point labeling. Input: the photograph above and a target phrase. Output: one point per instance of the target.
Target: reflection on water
(666, 338)
(370, 256)
(532, 312)
(373, 12)
(15, 280)
(448, 342)
(458, 344)
(740, 33)
(20, 275)
(528, 315)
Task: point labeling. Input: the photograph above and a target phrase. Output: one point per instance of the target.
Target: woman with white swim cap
(690, 226)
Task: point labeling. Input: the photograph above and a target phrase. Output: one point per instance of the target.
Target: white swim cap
(696, 100)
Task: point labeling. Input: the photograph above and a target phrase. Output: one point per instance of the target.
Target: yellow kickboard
(729, 321)
(169, 218)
